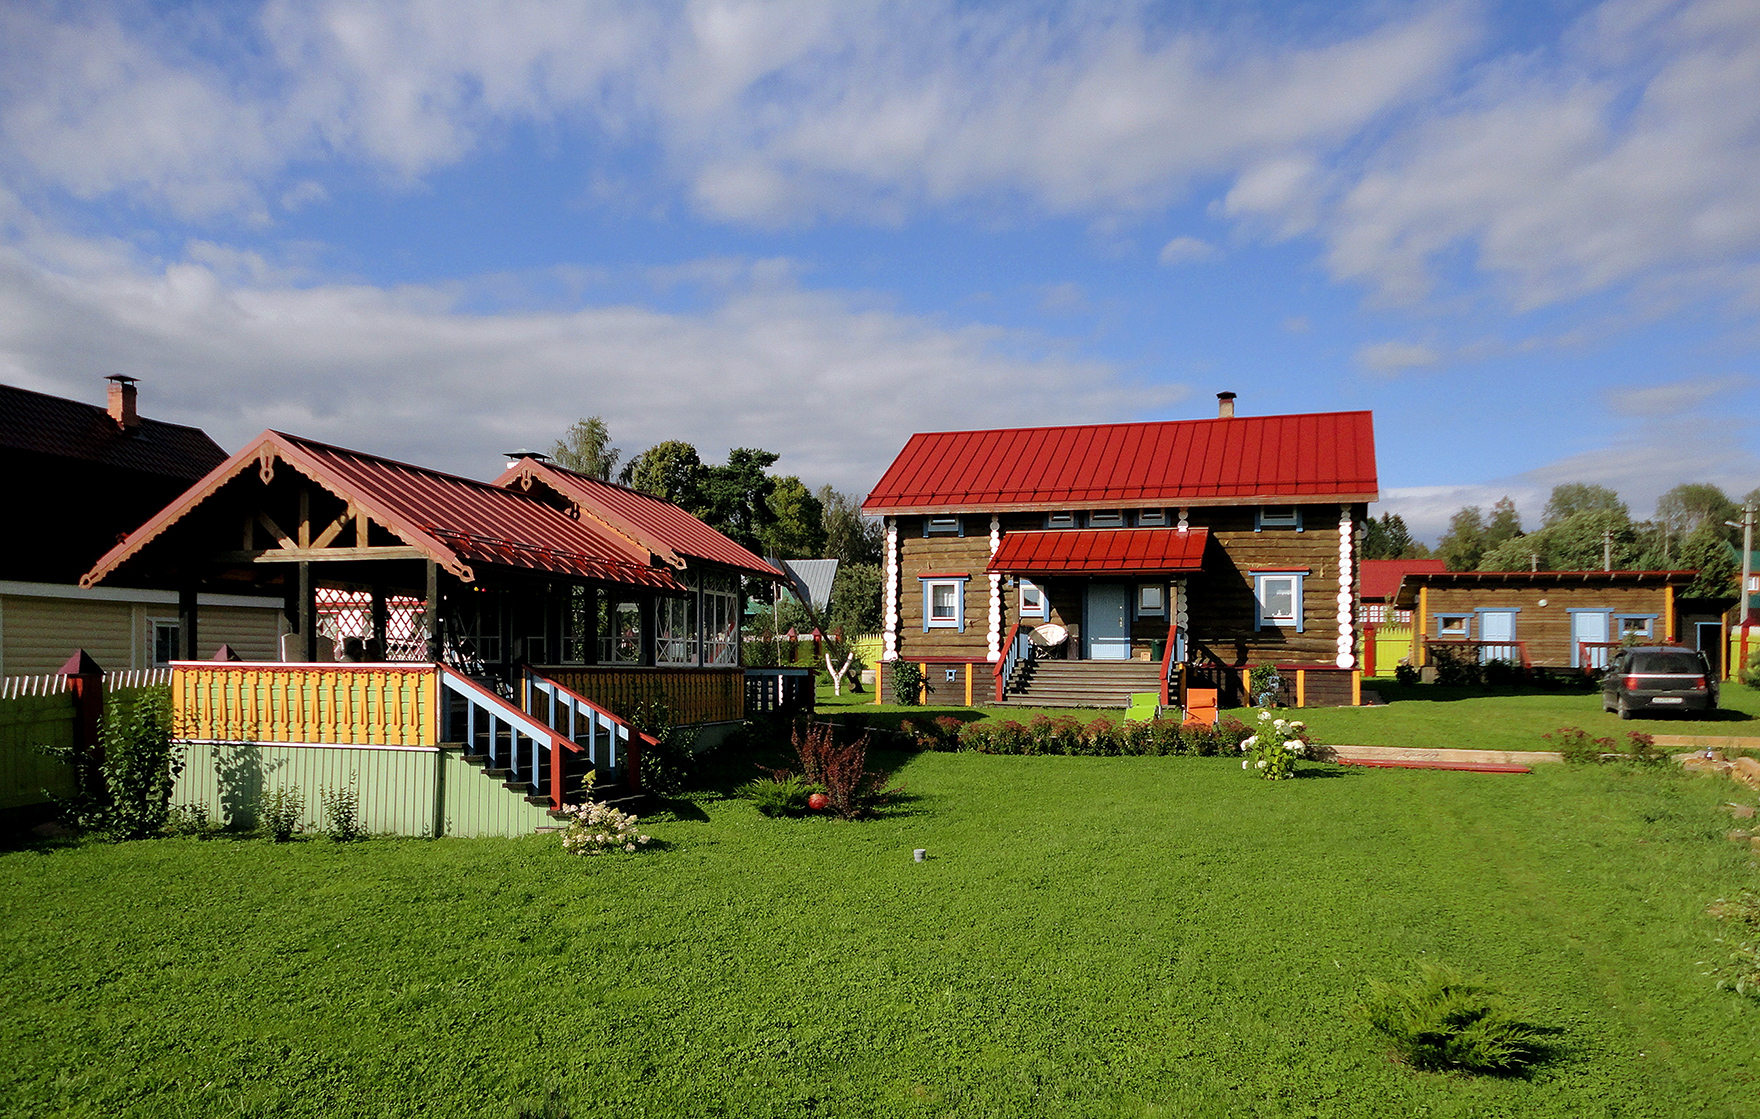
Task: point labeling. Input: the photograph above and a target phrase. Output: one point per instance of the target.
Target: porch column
(186, 621)
(1347, 616)
(889, 626)
(381, 621)
(1182, 617)
(431, 611)
(993, 651)
(647, 599)
(308, 615)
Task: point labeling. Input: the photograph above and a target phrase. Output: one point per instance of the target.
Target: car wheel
(1625, 711)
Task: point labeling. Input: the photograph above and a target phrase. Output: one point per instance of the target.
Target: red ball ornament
(818, 802)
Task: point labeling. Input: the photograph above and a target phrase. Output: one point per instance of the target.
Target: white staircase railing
(610, 744)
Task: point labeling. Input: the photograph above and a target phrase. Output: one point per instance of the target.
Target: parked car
(1651, 678)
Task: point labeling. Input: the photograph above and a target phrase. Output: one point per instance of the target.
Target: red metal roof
(1378, 580)
(1408, 586)
(1098, 550)
(656, 526)
(1241, 460)
(455, 521)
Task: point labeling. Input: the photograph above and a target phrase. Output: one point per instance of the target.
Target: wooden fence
(38, 712)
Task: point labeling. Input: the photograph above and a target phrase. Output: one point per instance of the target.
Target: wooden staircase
(1060, 683)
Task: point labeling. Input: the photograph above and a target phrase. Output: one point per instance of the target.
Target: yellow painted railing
(353, 705)
(696, 695)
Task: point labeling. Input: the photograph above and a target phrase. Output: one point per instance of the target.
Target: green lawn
(1091, 936)
(1424, 715)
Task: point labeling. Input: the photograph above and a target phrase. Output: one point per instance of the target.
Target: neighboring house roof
(37, 423)
(1378, 580)
(659, 527)
(453, 521)
(1240, 460)
(811, 580)
(1408, 587)
(1080, 551)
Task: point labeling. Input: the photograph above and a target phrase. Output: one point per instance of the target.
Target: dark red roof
(656, 526)
(1092, 551)
(1378, 580)
(456, 521)
(49, 425)
(1242, 460)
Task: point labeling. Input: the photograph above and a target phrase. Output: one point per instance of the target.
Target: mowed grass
(1423, 715)
(1090, 936)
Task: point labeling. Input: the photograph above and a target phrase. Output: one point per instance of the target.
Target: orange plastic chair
(1200, 707)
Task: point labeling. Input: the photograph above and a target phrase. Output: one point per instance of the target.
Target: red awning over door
(1101, 551)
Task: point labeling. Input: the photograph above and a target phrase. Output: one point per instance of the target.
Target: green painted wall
(420, 790)
(26, 723)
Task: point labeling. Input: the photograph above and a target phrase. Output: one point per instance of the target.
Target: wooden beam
(305, 516)
(274, 530)
(321, 555)
(334, 529)
(361, 527)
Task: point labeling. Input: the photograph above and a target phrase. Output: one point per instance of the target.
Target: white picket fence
(15, 687)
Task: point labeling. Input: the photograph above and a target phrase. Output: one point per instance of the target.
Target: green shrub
(908, 683)
(140, 765)
(1641, 750)
(841, 770)
(342, 813)
(1455, 667)
(1264, 685)
(668, 764)
(278, 813)
(1750, 672)
(1406, 674)
(1578, 747)
(1500, 673)
(1440, 1021)
(778, 796)
(186, 820)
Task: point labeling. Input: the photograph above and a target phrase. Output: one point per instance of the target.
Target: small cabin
(526, 628)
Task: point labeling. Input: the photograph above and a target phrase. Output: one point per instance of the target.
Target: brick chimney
(1225, 405)
(122, 408)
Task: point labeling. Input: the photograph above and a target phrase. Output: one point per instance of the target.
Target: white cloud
(836, 387)
(1675, 397)
(1395, 357)
(1187, 250)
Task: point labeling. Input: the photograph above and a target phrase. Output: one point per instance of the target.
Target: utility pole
(1607, 550)
(1742, 613)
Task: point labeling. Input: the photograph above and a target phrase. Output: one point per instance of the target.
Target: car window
(1672, 664)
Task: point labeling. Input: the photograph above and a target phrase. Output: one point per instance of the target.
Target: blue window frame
(1106, 518)
(1277, 600)
(1277, 516)
(1457, 624)
(1635, 625)
(1060, 520)
(1150, 601)
(944, 526)
(944, 602)
(1151, 518)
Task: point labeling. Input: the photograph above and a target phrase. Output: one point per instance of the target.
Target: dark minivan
(1651, 678)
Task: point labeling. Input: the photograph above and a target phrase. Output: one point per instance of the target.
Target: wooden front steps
(1059, 683)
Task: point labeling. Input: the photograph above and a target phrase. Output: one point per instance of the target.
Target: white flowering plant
(599, 829)
(1273, 747)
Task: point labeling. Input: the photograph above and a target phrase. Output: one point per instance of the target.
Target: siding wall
(1545, 629)
(26, 723)
(38, 634)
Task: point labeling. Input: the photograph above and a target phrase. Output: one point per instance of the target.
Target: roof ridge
(428, 470)
(1142, 423)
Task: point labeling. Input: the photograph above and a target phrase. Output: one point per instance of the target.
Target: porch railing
(1592, 655)
(514, 743)
(1171, 658)
(344, 705)
(1483, 651)
(1015, 649)
(694, 695)
(607, 742)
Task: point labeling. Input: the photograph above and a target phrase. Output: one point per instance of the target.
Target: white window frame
(1060, 520)
(1374, 613)
(1106, 518)
(1155, 609)
(958, 620)
(1272, 516)
(1151, 518)
(1040, 609)
(154, 625)
(944, 526)
(1262, 582)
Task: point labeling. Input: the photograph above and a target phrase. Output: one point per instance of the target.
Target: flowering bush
(595, 829)
(1274, 746)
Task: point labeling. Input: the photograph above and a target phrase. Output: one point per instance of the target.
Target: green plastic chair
(1144, 706)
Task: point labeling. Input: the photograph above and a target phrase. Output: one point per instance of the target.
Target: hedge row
(1099, 737)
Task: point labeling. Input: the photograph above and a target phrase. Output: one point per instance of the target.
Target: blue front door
(1106, 623)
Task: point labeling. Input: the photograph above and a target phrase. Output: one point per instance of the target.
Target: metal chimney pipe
(122, 402)
(1225, 405)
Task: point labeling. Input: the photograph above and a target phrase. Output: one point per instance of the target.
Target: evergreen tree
(1707, 552)
(1388, 538)
(736, 497)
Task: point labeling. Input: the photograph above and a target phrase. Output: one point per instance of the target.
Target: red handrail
(1167, 661)
(1002, 661)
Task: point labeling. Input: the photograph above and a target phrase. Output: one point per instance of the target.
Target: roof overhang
(1407, 596)
(927, 507)
(1102, 551)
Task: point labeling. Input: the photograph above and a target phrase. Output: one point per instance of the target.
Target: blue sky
(1526, 235)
